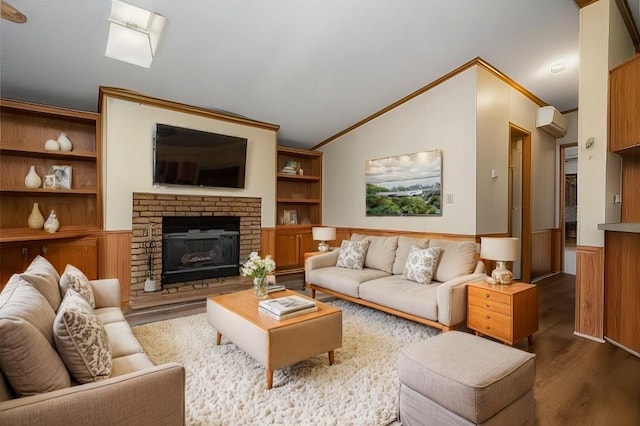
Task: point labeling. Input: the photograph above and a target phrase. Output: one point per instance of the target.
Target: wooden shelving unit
(301, 193)
(25, 129)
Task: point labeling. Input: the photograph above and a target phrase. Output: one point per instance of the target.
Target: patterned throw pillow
(352, 254)
(421, 264)
(81, 340)
(73, 278)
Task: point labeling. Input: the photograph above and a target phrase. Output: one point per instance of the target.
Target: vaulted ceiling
(314, 67)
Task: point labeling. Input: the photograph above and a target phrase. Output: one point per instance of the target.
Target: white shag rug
(225, 386)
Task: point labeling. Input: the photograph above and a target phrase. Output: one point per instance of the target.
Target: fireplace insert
(197, 248)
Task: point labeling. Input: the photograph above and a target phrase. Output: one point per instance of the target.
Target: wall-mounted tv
(197, 158)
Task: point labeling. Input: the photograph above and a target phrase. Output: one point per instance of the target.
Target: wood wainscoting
(114, 260)
(590, 292)
(546, 252)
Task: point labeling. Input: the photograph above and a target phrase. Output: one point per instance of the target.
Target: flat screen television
(197, 158)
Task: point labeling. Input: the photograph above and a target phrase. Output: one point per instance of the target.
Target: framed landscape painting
(405, 185)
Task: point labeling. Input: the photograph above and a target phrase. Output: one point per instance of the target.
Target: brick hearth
(148, 210)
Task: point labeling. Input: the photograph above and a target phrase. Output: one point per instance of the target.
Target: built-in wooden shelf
(299, 200)
(49, 191)
(8, 235)
(300, 178)
(70, 155)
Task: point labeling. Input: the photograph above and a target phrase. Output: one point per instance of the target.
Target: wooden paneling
(630, 193)
(267, 241)
(545, 252)
(590, 291)
(345, 234)
(622, 289)
(114, 248)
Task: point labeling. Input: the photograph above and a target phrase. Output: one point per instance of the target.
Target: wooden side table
(505, 312)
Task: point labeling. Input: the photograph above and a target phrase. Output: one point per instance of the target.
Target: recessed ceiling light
(559, 66)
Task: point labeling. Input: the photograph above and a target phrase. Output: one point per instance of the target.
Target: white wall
(467, 117)
(493, 149)
(602, 46)
(442, 118)
(544, 210)
(127, 159)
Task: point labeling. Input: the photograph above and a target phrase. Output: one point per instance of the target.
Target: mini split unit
(551, 121)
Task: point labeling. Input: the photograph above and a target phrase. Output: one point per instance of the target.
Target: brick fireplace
(146, 244)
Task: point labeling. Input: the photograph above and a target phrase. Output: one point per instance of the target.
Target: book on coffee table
(275, 287)
(289, 315)
(286, 305)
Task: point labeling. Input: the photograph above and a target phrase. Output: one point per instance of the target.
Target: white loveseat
(380, 283)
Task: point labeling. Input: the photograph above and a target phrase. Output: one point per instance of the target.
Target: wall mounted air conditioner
(551, 121)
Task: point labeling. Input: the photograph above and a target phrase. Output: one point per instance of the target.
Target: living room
(467, 111)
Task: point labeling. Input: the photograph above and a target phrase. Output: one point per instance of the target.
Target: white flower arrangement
(257, 267)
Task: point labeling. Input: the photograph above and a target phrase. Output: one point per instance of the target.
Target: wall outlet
(449, 198)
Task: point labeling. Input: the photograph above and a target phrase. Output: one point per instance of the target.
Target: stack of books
(287, 307)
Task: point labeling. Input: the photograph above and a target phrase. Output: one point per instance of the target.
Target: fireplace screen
(199, 254)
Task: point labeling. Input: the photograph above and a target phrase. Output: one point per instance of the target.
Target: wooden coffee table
(274, 344)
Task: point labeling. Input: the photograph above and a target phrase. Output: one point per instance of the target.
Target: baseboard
(623, 347)
(586, 336)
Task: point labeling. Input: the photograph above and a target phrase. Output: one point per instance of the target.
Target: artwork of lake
(405, 185)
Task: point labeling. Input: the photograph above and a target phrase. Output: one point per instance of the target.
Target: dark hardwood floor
(578, 381)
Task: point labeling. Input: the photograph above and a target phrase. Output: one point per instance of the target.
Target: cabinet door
(81, 253)
(624, 108)
(14, 258)
(286, 255)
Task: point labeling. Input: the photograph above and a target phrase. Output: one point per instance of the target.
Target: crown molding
(132, 96)
(474, 62)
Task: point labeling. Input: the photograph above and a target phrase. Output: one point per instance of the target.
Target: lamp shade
(501, 249)
(323, 233)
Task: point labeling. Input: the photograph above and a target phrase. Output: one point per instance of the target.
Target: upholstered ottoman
(457, 378)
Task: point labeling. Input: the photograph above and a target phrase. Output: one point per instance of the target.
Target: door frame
(517, 132)
(561, 216)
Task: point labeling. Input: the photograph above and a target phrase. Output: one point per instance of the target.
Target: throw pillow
(28, 358)
(458, 258)
(421, 264)
(73, 278)
(352, 254)
(43, 276)
(81, 340)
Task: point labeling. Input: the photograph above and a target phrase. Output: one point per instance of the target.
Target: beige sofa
(40, 385)
(380, 283)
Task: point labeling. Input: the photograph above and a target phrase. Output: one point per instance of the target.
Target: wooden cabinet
(299, 191)
(80, 252)
(622, 290)
(624, 108)
(25, 129)
(291, 245)
(505, 312)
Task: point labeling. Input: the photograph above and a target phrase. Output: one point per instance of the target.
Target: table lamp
(323, 234)
(502, 250)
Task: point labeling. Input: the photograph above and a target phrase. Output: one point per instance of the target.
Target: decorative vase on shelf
(51, 225)
(65, 143)
(32, 180)
(260, 287)
(35, 220)
(52, 145)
